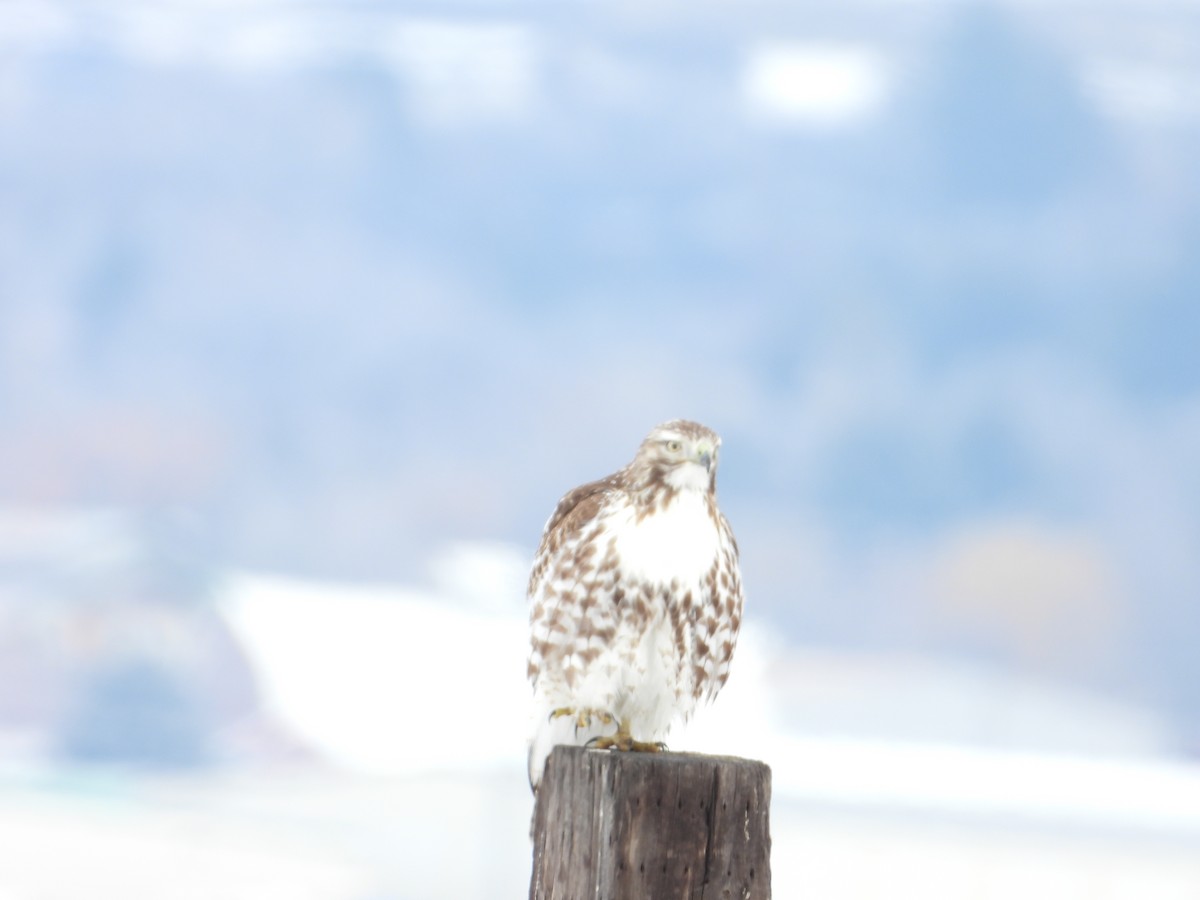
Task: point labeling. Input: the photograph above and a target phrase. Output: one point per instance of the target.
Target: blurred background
(310, 312)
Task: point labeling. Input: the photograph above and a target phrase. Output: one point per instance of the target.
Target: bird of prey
(635, 600)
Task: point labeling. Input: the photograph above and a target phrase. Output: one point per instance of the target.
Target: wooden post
(611, 825)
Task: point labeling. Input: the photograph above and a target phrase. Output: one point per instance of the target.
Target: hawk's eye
(674, 446)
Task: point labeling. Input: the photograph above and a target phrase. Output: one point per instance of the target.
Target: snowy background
(309, 313)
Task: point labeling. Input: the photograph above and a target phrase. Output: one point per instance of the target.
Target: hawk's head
(678, 454)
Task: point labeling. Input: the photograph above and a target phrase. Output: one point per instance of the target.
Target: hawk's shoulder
(582, 504)
(573, 513)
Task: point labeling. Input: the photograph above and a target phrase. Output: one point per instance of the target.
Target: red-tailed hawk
(635, 600)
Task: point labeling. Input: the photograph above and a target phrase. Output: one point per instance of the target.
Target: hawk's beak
(704, 457)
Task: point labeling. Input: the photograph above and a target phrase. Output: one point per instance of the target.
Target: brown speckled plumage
(635, 593)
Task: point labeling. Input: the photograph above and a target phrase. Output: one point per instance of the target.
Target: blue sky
(353, 284)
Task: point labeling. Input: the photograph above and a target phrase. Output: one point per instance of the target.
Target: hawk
(635, 600)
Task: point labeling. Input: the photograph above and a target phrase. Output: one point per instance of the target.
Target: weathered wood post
(651, 826)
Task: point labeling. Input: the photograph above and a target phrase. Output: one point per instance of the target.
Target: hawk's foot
(624, 741)
(583, 717)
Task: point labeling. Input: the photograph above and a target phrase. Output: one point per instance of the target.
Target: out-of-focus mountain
(354, 282)
(113, 649)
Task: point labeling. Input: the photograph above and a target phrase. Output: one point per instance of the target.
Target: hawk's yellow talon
(624, 741)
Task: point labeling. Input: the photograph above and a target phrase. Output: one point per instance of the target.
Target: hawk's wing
(573, 512)
(574, 503)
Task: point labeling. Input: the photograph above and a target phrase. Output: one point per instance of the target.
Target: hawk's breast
(677, 542)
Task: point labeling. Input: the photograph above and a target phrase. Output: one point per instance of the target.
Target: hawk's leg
(623, 740)
(583, 717)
